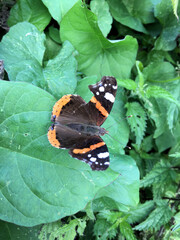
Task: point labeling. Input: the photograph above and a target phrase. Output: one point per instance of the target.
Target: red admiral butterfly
(77, 124)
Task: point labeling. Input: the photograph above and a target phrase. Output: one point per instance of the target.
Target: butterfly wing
(93, 151)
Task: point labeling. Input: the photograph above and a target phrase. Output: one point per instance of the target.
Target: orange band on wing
(99, 106)
(52, 138)
(85, 150)
(59, 105)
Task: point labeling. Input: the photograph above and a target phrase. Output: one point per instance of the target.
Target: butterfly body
(77, 124)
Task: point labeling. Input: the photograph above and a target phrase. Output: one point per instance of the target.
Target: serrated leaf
(31, 11)
(97, 55)
(140, 212)
(158, 92)
(138, 120)
(126, 230)
(161, 176)
(101, 9)
(127, 83)
(103, 229)
(158, 217)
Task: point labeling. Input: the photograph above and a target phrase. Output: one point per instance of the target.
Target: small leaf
(158, 92)
(58, 8)
(175, 155)
(126, 230)
(138, 120)
(101, 9)
(127, 83)
(158, 217)
(175, 7)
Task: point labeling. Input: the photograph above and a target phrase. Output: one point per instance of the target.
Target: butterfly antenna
(118, 141)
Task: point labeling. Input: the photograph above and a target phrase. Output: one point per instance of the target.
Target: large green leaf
(132, 13)
(97, 55)
(58, 8)
(32, 11)
(40, 183)
(22, 51)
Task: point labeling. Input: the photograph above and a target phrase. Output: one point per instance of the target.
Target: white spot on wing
(93, 159)
(106, 163)
(110, 97)
(114, 87)
(103, 155)
(101, 89)
(89, 155)
(97, 93)
(105, 84)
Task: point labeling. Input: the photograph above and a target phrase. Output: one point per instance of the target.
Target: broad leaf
(132, 13)
(97, 55)
(9, 231)
(31, 11)
(22, 51)
(39, 183)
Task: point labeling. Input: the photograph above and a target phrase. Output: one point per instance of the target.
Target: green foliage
(138, 120)
(60, 47)
(157, 218)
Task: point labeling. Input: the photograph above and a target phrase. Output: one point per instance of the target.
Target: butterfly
(77, 124)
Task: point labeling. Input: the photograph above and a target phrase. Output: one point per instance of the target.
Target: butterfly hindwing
(93, 151)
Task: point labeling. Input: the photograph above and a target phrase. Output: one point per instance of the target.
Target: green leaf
(139, 213)
(132, 13)
(101, 9)
(138, 120)
(124, 190)
(175, 7)
(39, 183)
(11, 231)
(58, 8)
(176, 155)
(171, 27)
(158, 92)
(31, 11)
(158, 217)
(161, 176)
(97, 55)
(127, 83)
(103, 229)
(126, 230)
(24, 61)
